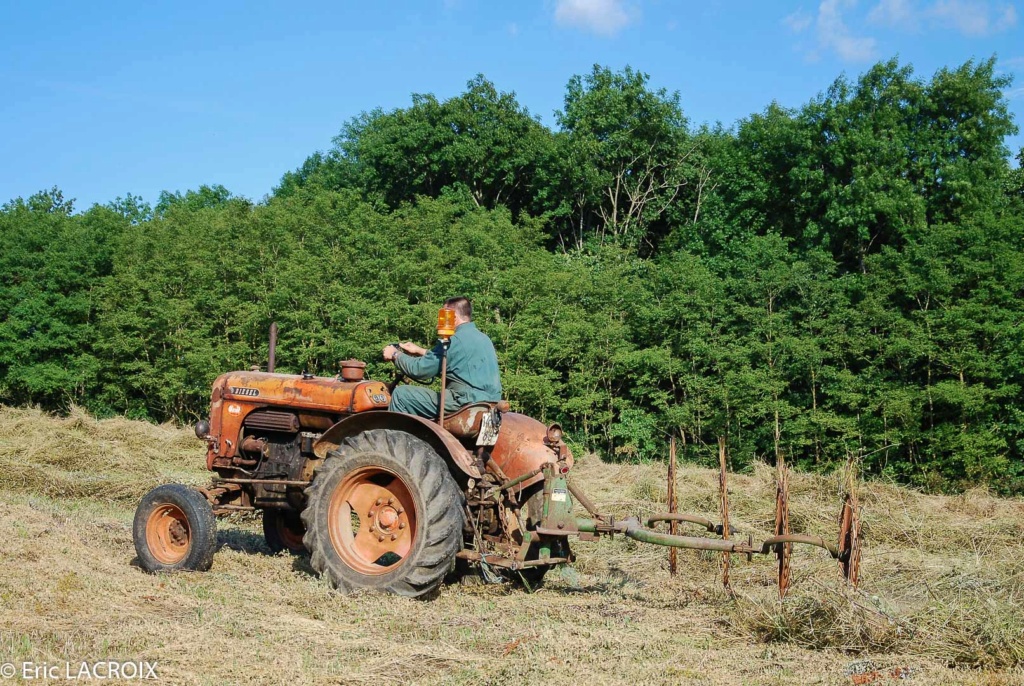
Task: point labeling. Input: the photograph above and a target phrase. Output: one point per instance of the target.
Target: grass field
(942, 590)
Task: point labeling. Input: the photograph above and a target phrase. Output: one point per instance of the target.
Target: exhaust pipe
(272, 353)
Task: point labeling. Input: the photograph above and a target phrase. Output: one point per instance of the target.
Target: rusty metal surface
(670, 496)
(168, 534)
(783, 550)
(287, 527)
(849, 539)
(442, 441)
(582, 499)
(316, 421)
(781, 544)
(372, 514)
(299, 393)
(235, 395)
(631, 528)
(512, 483)
(769, 544)
(272, 349)
(507, 563)
(693, 542)
(676, 517)
(253, 445)
(353, 370)
(219, 495)
(272, 420)
(521, 448)
(224, 509)
(723, 488)
(267, 482)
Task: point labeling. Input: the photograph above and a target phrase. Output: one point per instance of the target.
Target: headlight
(554, 434)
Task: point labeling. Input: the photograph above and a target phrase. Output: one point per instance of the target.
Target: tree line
(840, 279)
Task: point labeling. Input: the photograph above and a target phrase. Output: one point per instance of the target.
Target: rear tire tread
(441, 520)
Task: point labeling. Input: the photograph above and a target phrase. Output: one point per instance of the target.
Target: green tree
(625, 158)
(482, 142)
(51, 263)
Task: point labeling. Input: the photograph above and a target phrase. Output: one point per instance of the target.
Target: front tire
(383, 513)
(174, 530)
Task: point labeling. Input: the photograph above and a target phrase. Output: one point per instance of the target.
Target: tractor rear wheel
(174, 529)
(283, 530)
(383, 513)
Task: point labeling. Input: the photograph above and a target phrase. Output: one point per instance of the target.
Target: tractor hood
(301, 392)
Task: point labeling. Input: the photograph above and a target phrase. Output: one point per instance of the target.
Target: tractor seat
(465, 422)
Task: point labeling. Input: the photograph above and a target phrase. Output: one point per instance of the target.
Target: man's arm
(413, 349)
(422, 369)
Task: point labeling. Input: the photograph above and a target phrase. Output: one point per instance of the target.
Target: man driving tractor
(472, 368)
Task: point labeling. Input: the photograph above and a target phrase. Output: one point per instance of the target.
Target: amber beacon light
(445, 323)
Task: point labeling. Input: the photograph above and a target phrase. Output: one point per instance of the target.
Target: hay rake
(846, 550)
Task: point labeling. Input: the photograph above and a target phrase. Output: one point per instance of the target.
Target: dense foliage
(841, 279)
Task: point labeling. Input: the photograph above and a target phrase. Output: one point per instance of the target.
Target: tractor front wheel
(383, 513)
(174, 530)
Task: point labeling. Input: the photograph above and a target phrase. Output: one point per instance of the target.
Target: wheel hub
(386, 517)
(178, 534)
(167, 534)
(372, 520)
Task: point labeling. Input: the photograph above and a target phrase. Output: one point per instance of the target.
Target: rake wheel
(723, 486)
(849, 539)
(783, 551)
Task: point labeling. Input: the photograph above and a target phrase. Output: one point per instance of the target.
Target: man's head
(463, 309)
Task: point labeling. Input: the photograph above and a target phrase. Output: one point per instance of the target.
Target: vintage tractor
(393, 502)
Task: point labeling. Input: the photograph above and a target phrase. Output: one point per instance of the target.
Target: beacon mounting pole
(445, 331)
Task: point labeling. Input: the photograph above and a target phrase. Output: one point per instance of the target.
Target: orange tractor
(394, 502)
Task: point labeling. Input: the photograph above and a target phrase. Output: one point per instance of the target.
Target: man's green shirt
(473, 374)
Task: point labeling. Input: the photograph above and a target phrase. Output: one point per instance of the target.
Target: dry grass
(942, 586)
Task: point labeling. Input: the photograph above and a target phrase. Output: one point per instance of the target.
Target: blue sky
(103, 99)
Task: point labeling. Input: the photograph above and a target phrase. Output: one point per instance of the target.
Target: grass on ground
(941, 592)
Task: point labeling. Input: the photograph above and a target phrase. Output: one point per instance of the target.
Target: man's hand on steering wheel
(413, 349)
(392, 349)
(389, 354)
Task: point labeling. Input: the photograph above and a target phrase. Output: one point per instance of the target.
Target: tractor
(396, 503)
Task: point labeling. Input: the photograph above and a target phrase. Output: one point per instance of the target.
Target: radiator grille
(269, 420)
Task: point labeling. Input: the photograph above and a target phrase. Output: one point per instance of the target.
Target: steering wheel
(399, 377)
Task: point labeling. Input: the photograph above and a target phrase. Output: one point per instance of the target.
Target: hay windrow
(79, 456)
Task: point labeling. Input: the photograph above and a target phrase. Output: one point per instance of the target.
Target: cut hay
(941, 595)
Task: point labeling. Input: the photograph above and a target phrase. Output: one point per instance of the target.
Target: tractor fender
(446, 445)
(521, 448)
